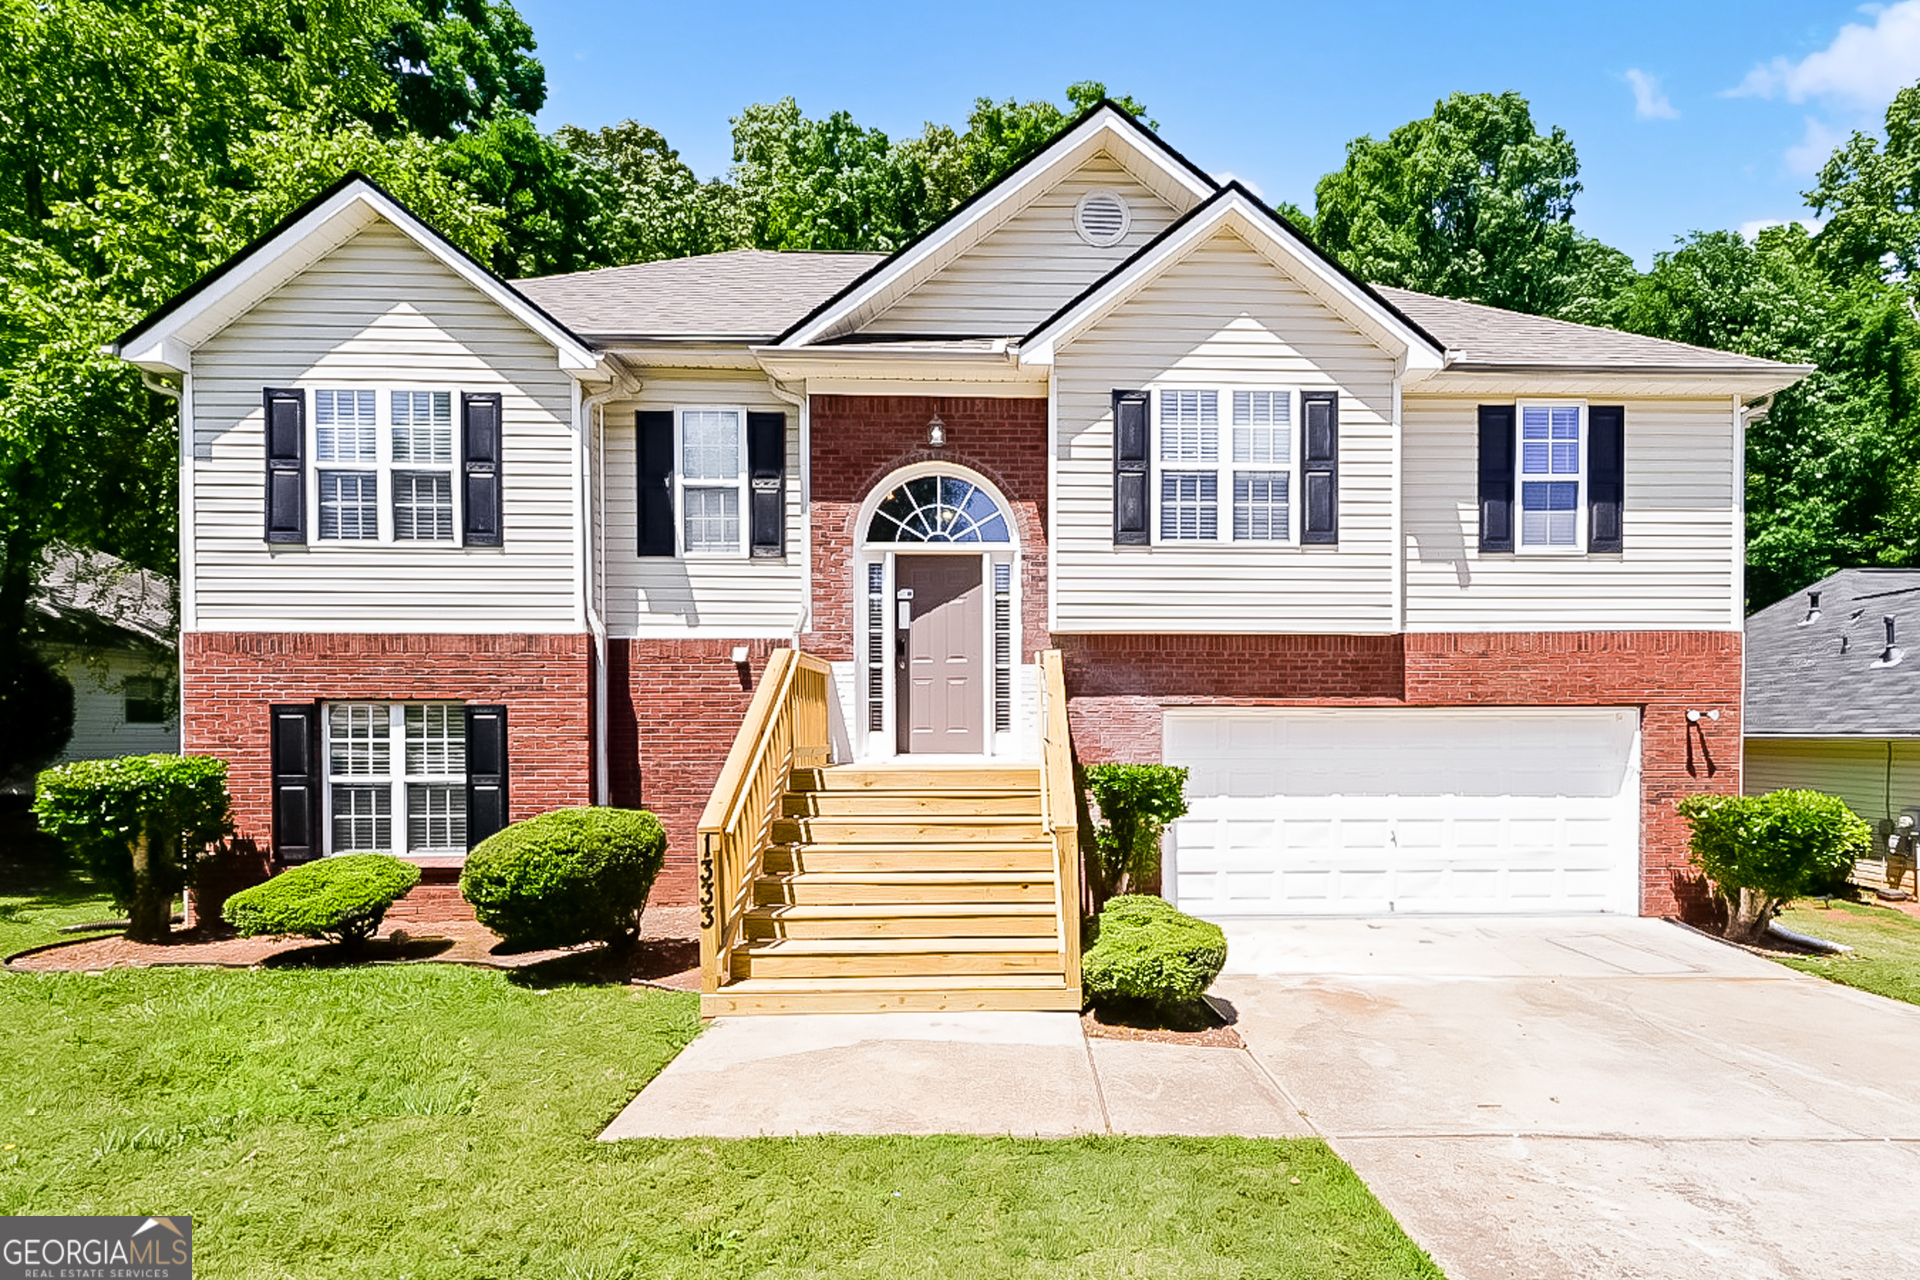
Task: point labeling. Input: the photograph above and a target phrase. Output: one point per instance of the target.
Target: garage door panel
(1364, 810)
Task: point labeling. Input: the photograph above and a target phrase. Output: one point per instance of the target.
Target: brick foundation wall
(229, 679)
(673, 710)
(1116, 686)
(859, 440)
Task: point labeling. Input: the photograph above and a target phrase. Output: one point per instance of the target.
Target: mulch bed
(1207, 1022)
(668, 955)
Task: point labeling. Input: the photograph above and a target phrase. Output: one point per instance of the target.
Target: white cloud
(1223, 178)
(1750, 229)
(1863, 67)
(1809, 155)
(1649, 100)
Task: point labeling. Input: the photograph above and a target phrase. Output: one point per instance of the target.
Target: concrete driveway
(1608, 1098)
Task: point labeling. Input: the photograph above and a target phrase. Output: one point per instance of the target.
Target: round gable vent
(1102, 218)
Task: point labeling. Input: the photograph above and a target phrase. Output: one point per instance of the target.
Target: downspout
(803, 617)
(594, 427)
(177, 394)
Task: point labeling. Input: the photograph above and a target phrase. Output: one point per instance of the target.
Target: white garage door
(1365, 811)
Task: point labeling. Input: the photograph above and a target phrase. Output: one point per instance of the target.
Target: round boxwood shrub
(1148, 952)
(342, 898)
(565, 877)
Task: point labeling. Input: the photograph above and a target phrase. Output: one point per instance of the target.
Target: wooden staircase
(901, 886)
(904, 887)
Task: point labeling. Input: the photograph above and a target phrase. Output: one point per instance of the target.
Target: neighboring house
(1833, 704)
(108, 627)
(1422, 591)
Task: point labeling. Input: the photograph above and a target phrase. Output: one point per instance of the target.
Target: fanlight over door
(938, 509)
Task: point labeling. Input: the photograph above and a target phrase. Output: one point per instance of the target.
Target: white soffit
(165, 345)
(1234, 211)
(1106, 130)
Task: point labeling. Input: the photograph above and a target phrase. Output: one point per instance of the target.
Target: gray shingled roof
(75, 582)
(1484, 335)
(1821, 677)
(745, 293)
(756, 294)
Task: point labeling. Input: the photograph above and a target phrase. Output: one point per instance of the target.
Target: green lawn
(436, 1121)
(1886, 947)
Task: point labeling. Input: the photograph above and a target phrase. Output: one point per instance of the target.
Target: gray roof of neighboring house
(1822, 677)
(92, 586)
(756, 294)
(1488, 336)
(744, 293)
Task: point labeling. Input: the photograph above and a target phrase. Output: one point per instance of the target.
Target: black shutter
(480, 452)
(1606, 475)
(294, 748)
(1320, 467)
(1497, 443)
(486, 772)
(767, 479)
(1132, 449)
(653, 447)
(286, 464)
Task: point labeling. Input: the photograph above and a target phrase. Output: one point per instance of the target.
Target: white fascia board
(1420, 359)
(167, 346)
(1572, 380)
(1105, 129)
(893, 363)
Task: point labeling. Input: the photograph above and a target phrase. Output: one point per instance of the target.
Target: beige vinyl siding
(1877, 777)
(100, 727)
(1031, 267)
(1224, 316)
(379, 312)
(1680, 528)
(658, 596)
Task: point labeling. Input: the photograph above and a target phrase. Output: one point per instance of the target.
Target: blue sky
(1685, 116)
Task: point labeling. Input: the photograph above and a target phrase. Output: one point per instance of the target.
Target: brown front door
(939, 648)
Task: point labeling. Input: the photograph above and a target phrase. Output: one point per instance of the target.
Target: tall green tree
(1471, 202)
(651, 205)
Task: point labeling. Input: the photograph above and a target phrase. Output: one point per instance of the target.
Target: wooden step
(918, 778)
(990, 830)
(891, 995)
(895, 957)
(904, 888)
(912, 805)
(897, 920)
(1032, 857)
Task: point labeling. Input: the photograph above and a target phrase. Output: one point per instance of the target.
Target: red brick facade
(1116, 686)
(859, 440)
(230, 679)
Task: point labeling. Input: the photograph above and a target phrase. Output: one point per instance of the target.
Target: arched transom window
(938, 509)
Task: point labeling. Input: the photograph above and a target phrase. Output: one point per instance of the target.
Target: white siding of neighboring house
(380, 312)
(1028, 269)
(1879, 778)
(1223, 316)
(658, 597)
(100, 728)
(1681, 529)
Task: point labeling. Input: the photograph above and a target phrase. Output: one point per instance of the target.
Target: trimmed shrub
(1762, 851)
(140, 824)
(343, 899)
(1148, 951)
(565, 877)
(1136, 802)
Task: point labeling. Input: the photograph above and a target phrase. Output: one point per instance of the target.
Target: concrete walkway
(1615, 1098)
(1026, 1074)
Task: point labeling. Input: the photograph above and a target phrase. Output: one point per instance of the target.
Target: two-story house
(1434, 599)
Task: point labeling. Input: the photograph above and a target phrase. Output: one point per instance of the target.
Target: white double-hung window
(1553, 459)
(384, 479)
(396, 778)
(711, 481)
(1242, 494)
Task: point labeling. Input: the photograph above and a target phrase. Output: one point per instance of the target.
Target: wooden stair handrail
(786, 728)
(1060, 809)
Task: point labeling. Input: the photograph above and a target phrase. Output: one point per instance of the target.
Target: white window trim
(397, 777)
(1520, 547)
(1223, 468)
(383, 467)
(741, 484)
